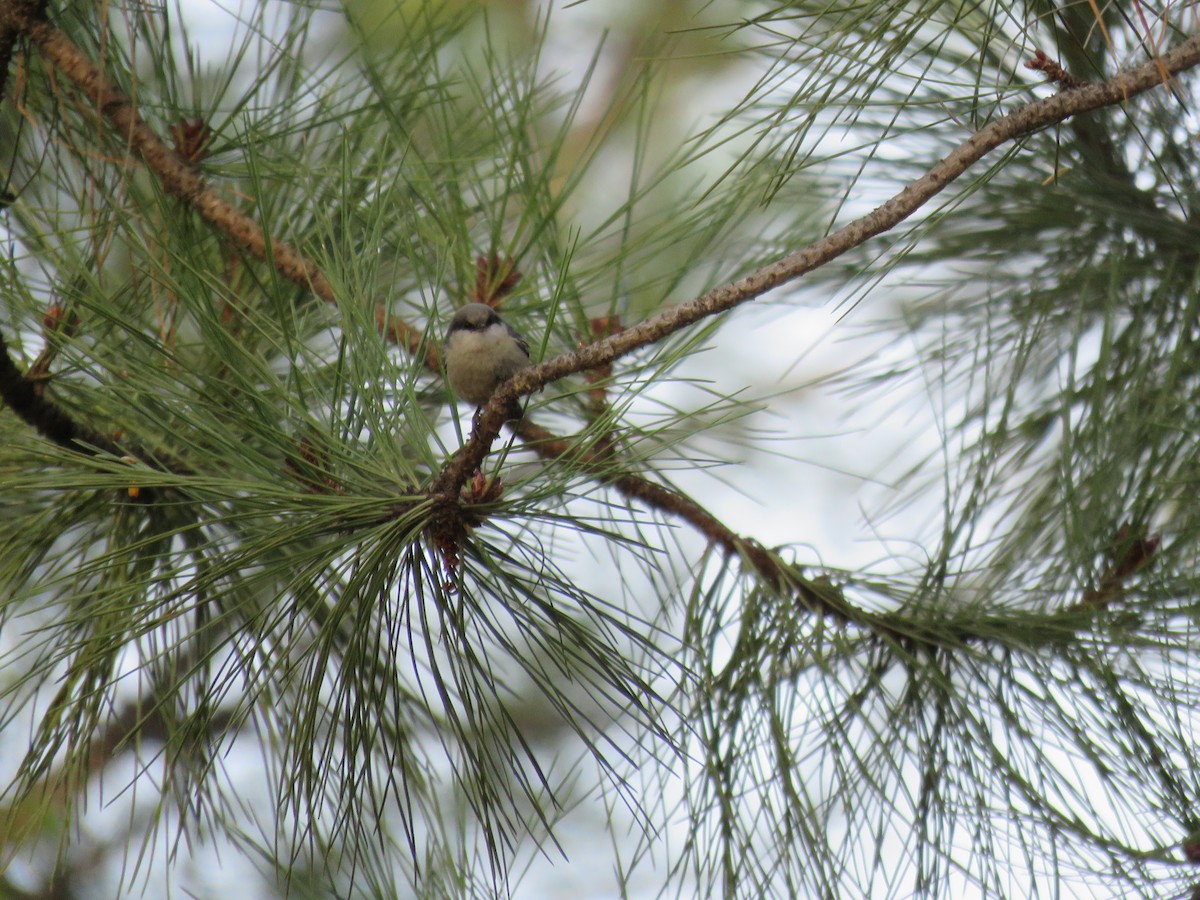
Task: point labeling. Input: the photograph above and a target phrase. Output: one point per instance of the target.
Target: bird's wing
(516, 336)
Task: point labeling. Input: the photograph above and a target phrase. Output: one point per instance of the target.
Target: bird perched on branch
(481, 352)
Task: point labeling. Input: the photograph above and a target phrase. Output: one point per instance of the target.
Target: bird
(481, 352)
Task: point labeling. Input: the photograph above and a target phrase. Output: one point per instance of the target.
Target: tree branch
(779, 575)
(177, 177)
(180, 180)
(1026, 120)
(10, 30)
(51, 421)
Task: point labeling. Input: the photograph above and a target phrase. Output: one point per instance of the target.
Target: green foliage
(260, 578)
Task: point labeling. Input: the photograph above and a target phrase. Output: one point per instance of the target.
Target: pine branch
(181, 180)
(51, 421)
(1026, 120)
(409, 337)
(845, 725)
(778, 574)
(1131, 551)
(10, 30)
(177, 177)
(1054, 71)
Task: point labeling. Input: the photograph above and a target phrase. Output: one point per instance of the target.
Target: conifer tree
(258, 569)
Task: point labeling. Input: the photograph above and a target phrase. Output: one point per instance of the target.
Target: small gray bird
(481, 352)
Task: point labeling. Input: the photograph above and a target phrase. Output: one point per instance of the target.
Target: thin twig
(1132, 549)
(1054, 71)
